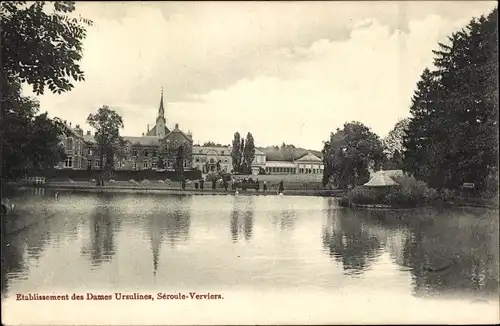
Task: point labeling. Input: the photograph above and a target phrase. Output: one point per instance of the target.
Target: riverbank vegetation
(447, 147)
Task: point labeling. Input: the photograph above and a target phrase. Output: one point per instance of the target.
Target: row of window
(69, 163)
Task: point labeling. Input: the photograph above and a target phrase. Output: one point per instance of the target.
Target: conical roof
(381, 180)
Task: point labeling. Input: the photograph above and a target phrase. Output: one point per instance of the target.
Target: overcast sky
(286, 71)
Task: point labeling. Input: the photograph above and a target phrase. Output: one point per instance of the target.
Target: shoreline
(170, 190)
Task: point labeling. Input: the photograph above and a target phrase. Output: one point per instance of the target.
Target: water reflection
(12, 259)
(172, 225)
(347, 242)
(103, 226)
(446, 252)
(242, 218)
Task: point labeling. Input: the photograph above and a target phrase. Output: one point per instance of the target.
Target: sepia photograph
(249, 162)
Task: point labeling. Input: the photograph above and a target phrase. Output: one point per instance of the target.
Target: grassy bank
(412, 193)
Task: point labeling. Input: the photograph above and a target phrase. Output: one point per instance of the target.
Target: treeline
(286, 152)
(451, 137)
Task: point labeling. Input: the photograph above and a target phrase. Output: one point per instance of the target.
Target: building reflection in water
(242, 218)
(171, 222)
(347, 242)
(285, 219)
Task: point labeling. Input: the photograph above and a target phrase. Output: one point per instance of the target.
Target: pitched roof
(177, 130)
(381, 180)
(142, 140)
(309, 157)
(152, 131)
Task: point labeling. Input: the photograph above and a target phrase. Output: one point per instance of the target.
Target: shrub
(409, 193)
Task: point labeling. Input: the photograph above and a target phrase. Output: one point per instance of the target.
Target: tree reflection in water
(348, 243)
(172, 224)
(103, 226)
(12, 260)
(446, 251)
(242, 218)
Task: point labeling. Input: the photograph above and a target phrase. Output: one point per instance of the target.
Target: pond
(263, 259)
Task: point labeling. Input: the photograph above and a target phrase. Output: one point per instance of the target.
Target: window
(134, 152)
(154, 165)
(146, 153)
(145, 164)
(197, 160)
(222, 153)
(154, 153)
(89, 164)
(68, 163)
(134, 165)
(89, 152)
(69, 143)
(185, 163)
(97, 163)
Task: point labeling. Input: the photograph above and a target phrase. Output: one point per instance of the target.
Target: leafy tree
(349, 154)
(30, 142)
(243, 165)
(236, 152)
(453, 133)
(179, 160)
(40, 47)
(249, 152)
(107, 124)
(393, 146)
(212, 144)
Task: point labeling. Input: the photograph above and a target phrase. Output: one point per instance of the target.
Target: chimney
(65, 122)
(88, 132)
(70, 124)
(143, 134)
(148, 128)
(176, 126)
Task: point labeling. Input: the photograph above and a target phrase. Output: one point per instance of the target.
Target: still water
(272, 259)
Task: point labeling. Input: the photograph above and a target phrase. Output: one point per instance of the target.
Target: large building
(213, 158)
(157, 149)
(307, 164)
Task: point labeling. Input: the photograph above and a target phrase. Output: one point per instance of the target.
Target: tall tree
(107, 124)
(179, 161)
(453, 134)
(242, 163)
(349, 154)
(40, 47)
(236, 152)
(393, 145)
(249, 152)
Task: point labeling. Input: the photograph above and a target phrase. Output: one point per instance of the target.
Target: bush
(409, 193)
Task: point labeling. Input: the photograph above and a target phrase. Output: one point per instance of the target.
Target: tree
(452, 137)
(236, 152)
(242, 164)
(349, 154)
(393, 146)
(249, 152)
(107, 124)
(40, 47)
(30, 142)
(179, 161)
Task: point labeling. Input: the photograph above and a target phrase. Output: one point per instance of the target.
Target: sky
(289, 72)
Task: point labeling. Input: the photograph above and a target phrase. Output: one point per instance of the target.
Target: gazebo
(380, 180)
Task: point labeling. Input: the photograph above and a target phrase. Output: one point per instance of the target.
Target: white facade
(206, 158)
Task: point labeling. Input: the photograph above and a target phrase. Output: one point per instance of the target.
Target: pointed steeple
(161, 110)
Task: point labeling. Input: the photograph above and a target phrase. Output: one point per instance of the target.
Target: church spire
(161, 110)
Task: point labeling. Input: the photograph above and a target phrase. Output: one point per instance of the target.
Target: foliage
(217, 176)
(41, 46)
(212, 144)
(249, 152)
(179, 160)
(452, 136)
(29, 141)
(393, 146)
(409, 193)
(107, 124)
(236, 152)
(349, 154)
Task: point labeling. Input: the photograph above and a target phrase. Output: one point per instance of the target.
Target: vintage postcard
(279, 163)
